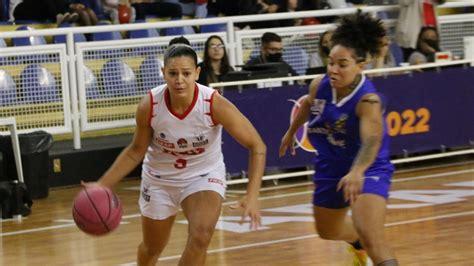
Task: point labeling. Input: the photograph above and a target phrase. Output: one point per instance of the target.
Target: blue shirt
(333, 130)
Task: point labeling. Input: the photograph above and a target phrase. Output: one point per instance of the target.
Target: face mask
(325, 50)
(432, 43)
(276, 57)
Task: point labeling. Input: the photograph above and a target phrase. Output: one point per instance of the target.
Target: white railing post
(76, 131)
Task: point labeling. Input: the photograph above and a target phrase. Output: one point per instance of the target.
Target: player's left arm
(242, 130)
(369, 111)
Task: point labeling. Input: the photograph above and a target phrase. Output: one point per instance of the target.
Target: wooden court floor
(430, 221)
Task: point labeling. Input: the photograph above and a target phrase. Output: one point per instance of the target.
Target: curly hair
(360, 32)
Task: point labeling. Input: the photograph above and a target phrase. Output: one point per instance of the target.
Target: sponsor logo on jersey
(164, 143)
(340, 124)
(182, 143)
(188, 152)
(215, 180)
(201, 141)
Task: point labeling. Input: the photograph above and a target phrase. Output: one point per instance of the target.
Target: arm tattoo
(258, 153)
(368, 151)
(371, 101)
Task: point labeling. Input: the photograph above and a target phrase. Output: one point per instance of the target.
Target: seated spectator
(42, 10)
(61, 11)
(413, 15)
(426, 47)
(271, 51)
(235, 8)
(87, 16)
(192, 8)
(320, 58)
(215, 63)
(384, 59)
(158, 8)
(115, 11)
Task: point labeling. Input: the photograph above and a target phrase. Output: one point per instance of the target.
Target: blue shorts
(325, 194)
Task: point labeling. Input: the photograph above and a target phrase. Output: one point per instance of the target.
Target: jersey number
(180, 163)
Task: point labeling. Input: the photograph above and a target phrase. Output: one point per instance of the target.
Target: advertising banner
(424, 112)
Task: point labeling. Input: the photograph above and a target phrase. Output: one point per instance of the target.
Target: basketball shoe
(360, 257)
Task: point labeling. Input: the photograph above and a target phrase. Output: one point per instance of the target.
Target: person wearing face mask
(426, 48)
(320, 59)
(271, 52)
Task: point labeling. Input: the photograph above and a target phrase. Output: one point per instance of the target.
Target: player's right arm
(134, 153)
(300, 119)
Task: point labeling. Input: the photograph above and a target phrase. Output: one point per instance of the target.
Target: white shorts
(159, 202)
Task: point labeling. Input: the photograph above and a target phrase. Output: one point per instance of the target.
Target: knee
(200, 237)
(148, 250)
(327, 233)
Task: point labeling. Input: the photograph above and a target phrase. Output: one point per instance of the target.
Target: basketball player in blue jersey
(346, 126)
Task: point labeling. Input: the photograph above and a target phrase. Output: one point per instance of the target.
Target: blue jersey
(333, 130)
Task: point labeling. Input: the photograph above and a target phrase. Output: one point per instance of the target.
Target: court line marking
(259, 244)
(234, 202)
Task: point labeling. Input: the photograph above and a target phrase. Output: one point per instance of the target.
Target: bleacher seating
(118, 79)
(148, 33)
(32, 40)
(106, 35)
(90, 82)
(150, 74)
(38, 85)
(8, 91)
(78, 37)
(297, 58)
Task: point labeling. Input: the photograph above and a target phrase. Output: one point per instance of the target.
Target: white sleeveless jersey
(184, 147)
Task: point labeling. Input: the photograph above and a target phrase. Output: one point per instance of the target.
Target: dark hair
(224, 68)
(422, 30)
(269, 37)
(180, 39)
(179, 49)
(360, 32)
(320, 43)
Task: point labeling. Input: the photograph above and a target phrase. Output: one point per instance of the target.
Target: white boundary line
(234, 202)
(431, 218)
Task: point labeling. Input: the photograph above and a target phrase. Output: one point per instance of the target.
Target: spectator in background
(324, 46)
(87, 16)
(271, 51)
(235, 8)
(426, 47)
(384, 58)
(156, 8)
(215, 63)
(289, 6)
(119, 11)
(192, 8)
(180, 39)
(413, 15)
(61, 11)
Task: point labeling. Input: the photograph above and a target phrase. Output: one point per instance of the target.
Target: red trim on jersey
(190, 108)
(210, 108)
(151, 108)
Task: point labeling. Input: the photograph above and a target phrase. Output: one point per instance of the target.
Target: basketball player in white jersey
(178, 138)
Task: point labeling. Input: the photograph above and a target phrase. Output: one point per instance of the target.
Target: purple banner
(424, 111)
